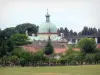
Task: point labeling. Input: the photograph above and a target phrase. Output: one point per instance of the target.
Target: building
(46, 30)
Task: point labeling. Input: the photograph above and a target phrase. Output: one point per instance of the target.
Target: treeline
(21, 28)
(85, 31)
(11, 52)
(17, 56)
(21, 58)
(32, 28)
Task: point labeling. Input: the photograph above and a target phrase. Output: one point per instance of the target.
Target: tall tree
(66, 31)
(48, 48)
(6, 46)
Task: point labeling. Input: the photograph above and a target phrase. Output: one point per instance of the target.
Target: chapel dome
(47, 26)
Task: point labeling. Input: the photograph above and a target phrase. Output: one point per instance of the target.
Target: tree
(32, 28)
(85, 31)
(66, 31)
(87, 45)
(38, 58)
(71, 32)
(18, 51)
(19, 39)
(9, 32)
(97, 57)
(48, 48)
(10, 46)
(89, 31)
(14, 60)
(6, 45)
(3, 48)
(90, 58)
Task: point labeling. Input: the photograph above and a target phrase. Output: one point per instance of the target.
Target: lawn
(58, 70)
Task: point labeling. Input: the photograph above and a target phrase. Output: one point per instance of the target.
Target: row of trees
(21, 28)
(85, 31)
(79, 58)
(67, 32)
(32, 28)
(12, 54)
(23, 58)
(88, 54)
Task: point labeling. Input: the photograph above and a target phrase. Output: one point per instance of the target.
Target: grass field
(58, 70)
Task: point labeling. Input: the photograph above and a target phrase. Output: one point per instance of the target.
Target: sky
(73, 14)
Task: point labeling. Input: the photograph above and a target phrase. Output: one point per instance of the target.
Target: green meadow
(53, 70)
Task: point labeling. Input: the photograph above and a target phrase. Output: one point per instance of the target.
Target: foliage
(85, 31)
(19, 39)
(26, 57)
(6, 47)
(66, 32)
(18, 51)
(90, 58)
(88, 31)
(13, 59)
(87, 45)
(48, 48)
(32, 28)
(97, 57)
(8, 32)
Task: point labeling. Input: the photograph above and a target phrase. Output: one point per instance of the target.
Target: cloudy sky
(73, 14)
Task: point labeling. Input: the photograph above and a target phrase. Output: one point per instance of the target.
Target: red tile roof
(34, 49)
(59, 50)
(98, 46)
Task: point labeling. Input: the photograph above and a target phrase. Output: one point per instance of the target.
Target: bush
(90, 58)
(97, 57)
(87, 45)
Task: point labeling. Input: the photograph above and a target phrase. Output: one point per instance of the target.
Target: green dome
(46, 27)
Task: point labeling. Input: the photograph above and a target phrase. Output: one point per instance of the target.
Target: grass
(58, 70)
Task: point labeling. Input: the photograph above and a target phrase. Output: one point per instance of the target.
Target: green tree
(3, 48)
(48, 48)
(13, 59)
(87, 45)
(19, 39)
(32, 28)
(6, 45)
(10, 46)
(8, 32)
(18, 51)
(90, 58)
(97, 57)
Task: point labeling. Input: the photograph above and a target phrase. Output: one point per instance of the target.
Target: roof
(36, 49)
(44, 27)
(59, 50)
(47, 26)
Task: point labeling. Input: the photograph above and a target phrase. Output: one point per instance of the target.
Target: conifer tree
(48, 48)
